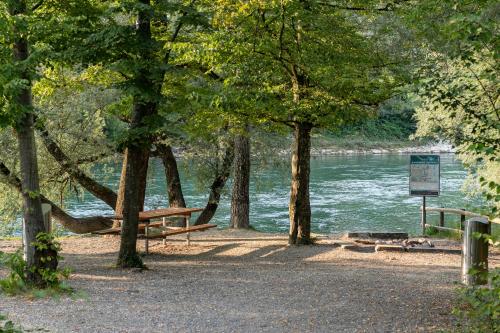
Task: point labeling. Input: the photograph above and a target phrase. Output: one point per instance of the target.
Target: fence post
(475, 252)
(462, 221)
(424, 216)
(441, 218)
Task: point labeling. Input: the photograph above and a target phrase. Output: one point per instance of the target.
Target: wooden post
(475, 252)
(462, 221)
(187, 234)
(441, 218)
(164, 220)
(146, 234)
(424, 217)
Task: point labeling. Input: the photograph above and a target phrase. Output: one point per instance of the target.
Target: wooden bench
(162, 213)
(179, 231)
(116, 231)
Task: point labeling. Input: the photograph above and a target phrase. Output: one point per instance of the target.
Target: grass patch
(435, 233)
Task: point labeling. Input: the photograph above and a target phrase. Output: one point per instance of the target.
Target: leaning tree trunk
(98, 190)
(240, 200)
(77, 225)
(217, 187)
(174, 188)
(300, 208)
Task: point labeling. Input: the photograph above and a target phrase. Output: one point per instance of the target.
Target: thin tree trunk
(174, 188)
(217, 186)
(33, 218)
(300, 208)
(240, 201)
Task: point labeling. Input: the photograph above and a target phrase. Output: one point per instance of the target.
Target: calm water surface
(348, 193)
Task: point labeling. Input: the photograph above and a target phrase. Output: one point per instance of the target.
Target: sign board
(424, 175)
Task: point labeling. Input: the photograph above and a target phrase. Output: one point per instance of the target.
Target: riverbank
(245, 281)
(323, 146)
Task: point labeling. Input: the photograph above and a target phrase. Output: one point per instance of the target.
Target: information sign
(424, 175)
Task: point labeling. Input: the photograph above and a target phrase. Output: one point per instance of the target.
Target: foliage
(480, 306)
(460, 90)
(16, 282)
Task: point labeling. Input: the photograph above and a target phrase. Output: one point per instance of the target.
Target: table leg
(146, 234)
(164, 220)
(187, 234)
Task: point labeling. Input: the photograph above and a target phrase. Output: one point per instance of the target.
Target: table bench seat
(200, 227)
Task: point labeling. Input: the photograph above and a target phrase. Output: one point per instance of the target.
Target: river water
(348, 193)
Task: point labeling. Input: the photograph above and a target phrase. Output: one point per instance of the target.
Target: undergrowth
(50, 278)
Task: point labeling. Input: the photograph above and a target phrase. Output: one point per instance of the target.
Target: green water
(348, 193)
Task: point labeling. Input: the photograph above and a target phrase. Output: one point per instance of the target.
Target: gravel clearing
(244, 281)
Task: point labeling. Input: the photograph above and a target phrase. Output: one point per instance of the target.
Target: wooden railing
(462, 212)
(474, 249)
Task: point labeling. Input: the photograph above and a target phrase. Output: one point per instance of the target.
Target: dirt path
(245, 282)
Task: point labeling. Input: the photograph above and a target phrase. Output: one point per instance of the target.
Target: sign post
(424, 179)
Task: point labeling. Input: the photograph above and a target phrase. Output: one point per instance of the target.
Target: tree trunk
(98, 190)
(174, 188)
(76, 225)
(33, 218)
(139, 146)
(217, 187)
(300, 208)
(240, 201)
(136, 162)
(142, 178)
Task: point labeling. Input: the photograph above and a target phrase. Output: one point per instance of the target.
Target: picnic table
(147, 216)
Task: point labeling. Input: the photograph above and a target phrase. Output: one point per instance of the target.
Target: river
(348, 193)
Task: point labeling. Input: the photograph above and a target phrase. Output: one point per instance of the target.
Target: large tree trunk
(240, 201)
(142, 179)
(137, 160)
(300, 208)
(174, 188)
(217, 187)
(33, 217)
(98, 190)
(138, 147)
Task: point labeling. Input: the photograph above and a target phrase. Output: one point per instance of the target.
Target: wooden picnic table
(147, 216)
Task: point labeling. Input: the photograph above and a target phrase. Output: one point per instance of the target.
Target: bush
(479, 306)
(49, 277)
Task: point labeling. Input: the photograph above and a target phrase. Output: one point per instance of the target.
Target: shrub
(49, 276)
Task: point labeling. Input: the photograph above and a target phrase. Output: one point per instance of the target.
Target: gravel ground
(242, 281)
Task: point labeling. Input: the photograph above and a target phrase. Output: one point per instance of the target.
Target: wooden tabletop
(164, 212)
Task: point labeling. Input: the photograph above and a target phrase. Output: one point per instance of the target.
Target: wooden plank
(200, 227)
(163, 212)
(117, 230)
